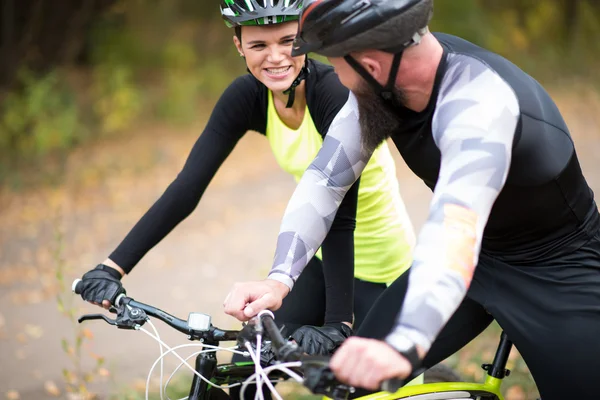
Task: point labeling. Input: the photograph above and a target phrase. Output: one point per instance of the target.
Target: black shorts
(550, 312)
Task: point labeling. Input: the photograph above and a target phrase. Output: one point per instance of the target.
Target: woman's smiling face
(268, 49)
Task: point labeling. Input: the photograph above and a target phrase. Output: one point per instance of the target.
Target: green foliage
(76, 378)
(157, 59)
(117, 100)
(464, 18)
(548, 39)
(182, 79)
(41, 118)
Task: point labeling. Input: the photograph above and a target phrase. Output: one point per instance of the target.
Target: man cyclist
(513, 232)
(291, 101)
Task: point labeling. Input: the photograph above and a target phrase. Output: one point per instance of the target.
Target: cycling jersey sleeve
(315, 202)
(325, 96)
(474, 126)
(232, 116)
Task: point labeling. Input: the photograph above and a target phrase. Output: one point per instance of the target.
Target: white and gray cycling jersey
(473, 126)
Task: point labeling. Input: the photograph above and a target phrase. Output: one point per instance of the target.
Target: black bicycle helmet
(336, 28)
(259, 12)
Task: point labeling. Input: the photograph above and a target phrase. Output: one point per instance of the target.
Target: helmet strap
(291, 91)
(385, 92)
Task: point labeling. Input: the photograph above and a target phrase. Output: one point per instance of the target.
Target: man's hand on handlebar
(102, 285)
(247, 299)
(367, 363)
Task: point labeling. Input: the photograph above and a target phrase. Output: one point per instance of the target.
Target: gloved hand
(101, 283)
(321, 340)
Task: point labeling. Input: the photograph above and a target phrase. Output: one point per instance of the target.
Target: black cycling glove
(321, 340)
(101, 283)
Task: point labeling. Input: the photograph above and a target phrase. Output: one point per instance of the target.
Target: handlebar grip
(266, 318)
(392, 385)
(119, 299)
(76, 286)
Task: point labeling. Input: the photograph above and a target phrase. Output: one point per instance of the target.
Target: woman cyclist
(291, 101)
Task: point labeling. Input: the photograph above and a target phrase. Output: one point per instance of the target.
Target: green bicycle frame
(491, 386)
(489, 389)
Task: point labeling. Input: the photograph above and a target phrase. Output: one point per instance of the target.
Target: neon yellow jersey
(384, 237)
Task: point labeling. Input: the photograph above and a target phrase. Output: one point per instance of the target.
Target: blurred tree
(43, 34)
(157, 57)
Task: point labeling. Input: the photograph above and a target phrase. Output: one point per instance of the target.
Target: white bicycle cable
(260, 376)
(161, 359)
(172, 350)
(261, 373)
(259, 381)
(284, 367)
(230, 349)
(258, 367)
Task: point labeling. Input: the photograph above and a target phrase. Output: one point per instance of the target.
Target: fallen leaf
(34, 331)
(87, 333)
(515, 393)
(471, 369)
(139, 385)
(21, 338)
(81, 396)
(103, 372)
(13, 395)
(51, 388)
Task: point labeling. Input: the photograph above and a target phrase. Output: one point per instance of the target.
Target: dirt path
(108, 189)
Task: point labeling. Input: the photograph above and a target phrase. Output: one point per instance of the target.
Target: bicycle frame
(206, 365)
(489, 390)
(220, 374)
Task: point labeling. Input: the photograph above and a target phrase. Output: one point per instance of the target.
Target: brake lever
(127, 318)
(89, 317)
(319, 379)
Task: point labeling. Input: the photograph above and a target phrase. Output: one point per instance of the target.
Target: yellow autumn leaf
(139, 385)
(21, 338)
(51, 388)
(87, 333)
(13, 395)
(34, 331)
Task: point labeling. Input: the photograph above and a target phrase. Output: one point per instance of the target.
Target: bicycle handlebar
(318, 376)
(132, 313)
(319, 365)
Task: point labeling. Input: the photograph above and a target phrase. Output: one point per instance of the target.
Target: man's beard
(377, 118)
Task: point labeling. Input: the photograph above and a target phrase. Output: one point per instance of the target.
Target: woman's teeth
(278, 71)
